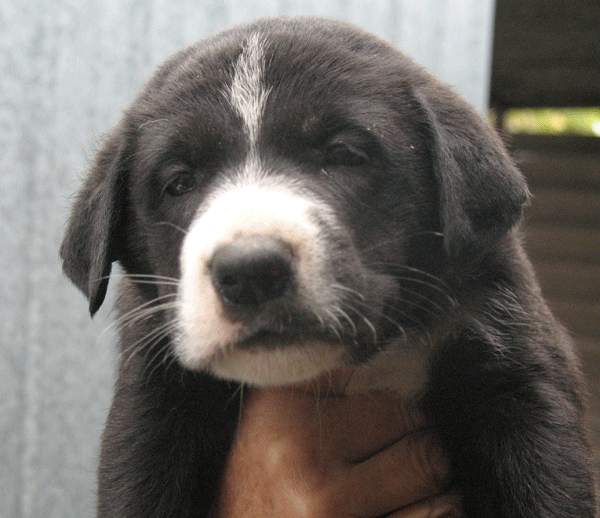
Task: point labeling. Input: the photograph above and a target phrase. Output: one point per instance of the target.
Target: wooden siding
(546, 53)
(563, 237)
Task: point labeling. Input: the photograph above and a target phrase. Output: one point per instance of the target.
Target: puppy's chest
(401, 370)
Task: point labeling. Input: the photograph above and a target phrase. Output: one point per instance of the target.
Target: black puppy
(292, 196)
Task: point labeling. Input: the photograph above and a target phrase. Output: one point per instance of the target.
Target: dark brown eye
(181, 183)
(345, 155)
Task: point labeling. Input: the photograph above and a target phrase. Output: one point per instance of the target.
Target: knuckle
(317, 502)
(429, 462)
(315, 492)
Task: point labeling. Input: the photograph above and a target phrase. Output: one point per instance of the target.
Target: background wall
(67, 70)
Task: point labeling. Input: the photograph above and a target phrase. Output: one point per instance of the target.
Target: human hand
(310, 452)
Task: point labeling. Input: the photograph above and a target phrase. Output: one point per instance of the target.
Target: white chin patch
(290, 364)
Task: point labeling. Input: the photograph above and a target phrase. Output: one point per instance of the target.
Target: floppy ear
(481, 191)
(91, 241)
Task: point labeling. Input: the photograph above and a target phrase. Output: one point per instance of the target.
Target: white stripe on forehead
(248, 93)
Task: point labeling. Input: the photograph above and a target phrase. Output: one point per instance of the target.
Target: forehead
(278, 77)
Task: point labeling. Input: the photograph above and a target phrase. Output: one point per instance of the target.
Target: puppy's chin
(279, 366)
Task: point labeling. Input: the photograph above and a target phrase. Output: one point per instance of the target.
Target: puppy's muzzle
(250, 272)
(257, 301)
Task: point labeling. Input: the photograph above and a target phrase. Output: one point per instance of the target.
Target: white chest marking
(248, 93)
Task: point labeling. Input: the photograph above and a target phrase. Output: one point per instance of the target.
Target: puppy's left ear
(481, 191)
(91, 241)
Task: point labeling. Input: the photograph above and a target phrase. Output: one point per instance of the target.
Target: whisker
(366, 321)
(169, 224)
(139, 313)
(150, 334)
(335, 324)
(239, 390)
(146, 309)
(435, 305)
(153, 345)
(349, 290)
(152, 279)
(414, 270)
(158, 279)
(383, 315)
(385, 242)
(441, 291)
(147, 313)
(147, 341)
(346, 317)
(161, 350)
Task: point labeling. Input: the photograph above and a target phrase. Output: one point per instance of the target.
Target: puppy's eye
(180, 183)
(345, 155)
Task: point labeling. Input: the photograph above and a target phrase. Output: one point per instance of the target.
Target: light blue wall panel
(67, 70)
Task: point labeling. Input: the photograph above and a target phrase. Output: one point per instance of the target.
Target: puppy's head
(295, 189)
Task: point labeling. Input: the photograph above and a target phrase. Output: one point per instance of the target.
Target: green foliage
(553, 121)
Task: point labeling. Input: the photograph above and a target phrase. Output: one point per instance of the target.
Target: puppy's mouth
(268, 340)
(262, 299)
(279, 348)
(268, 359)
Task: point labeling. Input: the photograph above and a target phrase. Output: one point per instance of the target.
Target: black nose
(252, 270)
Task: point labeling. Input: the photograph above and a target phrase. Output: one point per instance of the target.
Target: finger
(442, 506)
(349, 428)
(362, 425)
(410, 470)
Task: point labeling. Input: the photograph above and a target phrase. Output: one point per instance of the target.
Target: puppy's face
(281, 196)
(285, 176)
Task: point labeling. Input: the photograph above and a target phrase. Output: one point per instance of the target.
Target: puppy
(292, 196)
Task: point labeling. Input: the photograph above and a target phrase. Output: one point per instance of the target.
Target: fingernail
(446, 507)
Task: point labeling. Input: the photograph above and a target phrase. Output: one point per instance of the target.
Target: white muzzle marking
(259, 207)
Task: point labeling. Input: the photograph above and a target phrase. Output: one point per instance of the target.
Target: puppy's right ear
(91, 241)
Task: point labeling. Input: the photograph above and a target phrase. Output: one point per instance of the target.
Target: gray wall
(67, 69)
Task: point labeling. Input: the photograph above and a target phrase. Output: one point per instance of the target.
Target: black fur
(433, 216)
